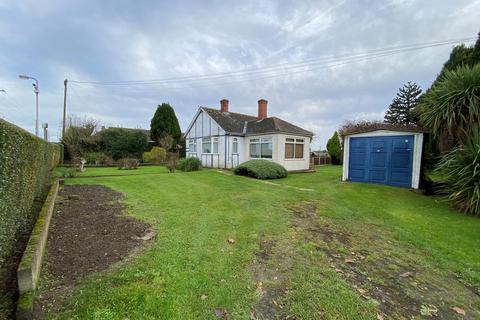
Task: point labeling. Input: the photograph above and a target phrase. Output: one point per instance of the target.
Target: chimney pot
(262, 109)
(224, 105)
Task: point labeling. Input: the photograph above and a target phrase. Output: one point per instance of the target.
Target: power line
(282, 67)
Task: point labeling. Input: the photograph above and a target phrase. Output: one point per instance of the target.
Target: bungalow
(224, 139)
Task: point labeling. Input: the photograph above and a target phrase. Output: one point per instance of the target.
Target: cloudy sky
(316, 83)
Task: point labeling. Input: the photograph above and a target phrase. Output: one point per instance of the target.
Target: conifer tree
(400, 110)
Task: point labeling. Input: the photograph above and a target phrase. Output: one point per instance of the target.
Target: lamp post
(36, 90)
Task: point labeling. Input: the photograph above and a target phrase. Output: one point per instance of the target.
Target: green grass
(195, 213)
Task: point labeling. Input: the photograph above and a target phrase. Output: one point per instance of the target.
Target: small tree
(80, 137)
(400, 110)
(165, 123)
(334, 148)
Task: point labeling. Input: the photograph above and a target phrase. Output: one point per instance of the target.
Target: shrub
(66, 173)
(156, 155)
(172, 160)
(461, 171)
(124, 143)
(91, 157)
(128, 164)
(104, 159)
(261, 169)
(190, 164)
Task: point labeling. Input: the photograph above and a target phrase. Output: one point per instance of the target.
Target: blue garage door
(386, 160)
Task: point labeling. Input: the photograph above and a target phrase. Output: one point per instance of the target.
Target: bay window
(261, 148)
(294, 148)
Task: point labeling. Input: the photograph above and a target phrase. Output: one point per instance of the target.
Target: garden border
(28, 271)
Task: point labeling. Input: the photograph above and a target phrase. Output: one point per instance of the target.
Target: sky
(105, 41)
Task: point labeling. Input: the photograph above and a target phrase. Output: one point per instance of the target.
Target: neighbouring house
(224, 139)
(384, 155)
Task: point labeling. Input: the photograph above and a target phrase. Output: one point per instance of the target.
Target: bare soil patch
(89, 233)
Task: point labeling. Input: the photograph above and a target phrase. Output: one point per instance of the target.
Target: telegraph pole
(64, 106)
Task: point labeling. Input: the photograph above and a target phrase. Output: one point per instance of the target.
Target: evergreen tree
(334, 149)
(165, 123)
(400, 110)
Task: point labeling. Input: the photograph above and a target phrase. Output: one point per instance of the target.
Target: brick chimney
(224, 105)
(262, 108)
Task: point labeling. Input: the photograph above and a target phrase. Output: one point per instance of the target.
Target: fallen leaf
(361, 291)
(349, 260)
(221, 313)
(277, 304)
(406, 274)
(259, 290)
(204, 297)
(231, 241)
(459, 310)
(338, 270)
(379, 316)
(253, 315)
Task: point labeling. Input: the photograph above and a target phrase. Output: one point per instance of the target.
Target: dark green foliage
(261, 169)
(451, 108)
(461, 171)
(189, 164)
(165, 123)
(461, 56)
(80, 138)
(123, 143)
(334, 149)
(400, 110)
(26, 163)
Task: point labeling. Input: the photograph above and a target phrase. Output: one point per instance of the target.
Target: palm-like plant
(461, 169)
(451, 108)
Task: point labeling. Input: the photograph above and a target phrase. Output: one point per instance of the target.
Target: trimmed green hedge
(261, 169)
(26, 163)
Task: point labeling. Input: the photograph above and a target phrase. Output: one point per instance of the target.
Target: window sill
(296, 159)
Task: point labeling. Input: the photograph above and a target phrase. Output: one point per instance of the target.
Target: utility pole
(64, 106)
(36, 91)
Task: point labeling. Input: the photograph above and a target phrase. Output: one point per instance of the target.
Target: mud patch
(89, 233)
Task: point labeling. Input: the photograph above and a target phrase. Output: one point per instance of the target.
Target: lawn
(306, 247)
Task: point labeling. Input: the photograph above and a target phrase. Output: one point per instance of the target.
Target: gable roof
(239, 123)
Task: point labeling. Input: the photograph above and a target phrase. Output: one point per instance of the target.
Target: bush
(172, 161)
(124, 143)
(128, 164)
(156, 155)
(261, 169)
(461, 171)
(190, 164)
(66, 173)
(104, 159)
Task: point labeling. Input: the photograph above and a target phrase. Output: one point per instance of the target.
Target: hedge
(26, 163)
(261, 169)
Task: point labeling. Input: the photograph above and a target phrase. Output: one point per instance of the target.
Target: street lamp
(36, 90)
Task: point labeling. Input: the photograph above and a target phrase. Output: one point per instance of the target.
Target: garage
(383, 157)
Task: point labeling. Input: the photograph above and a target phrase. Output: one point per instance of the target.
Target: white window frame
(260, 141)
(295, 142)
(235, 146)
(213, 145)
(192, 142)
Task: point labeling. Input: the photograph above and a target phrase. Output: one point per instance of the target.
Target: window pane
(299, 151)
(206, 145)
(267, 150)
(288, 150)
(290, 140)
(254, 150)
(300, 140)
(254, 140)
(235, 146)
(215, 145)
